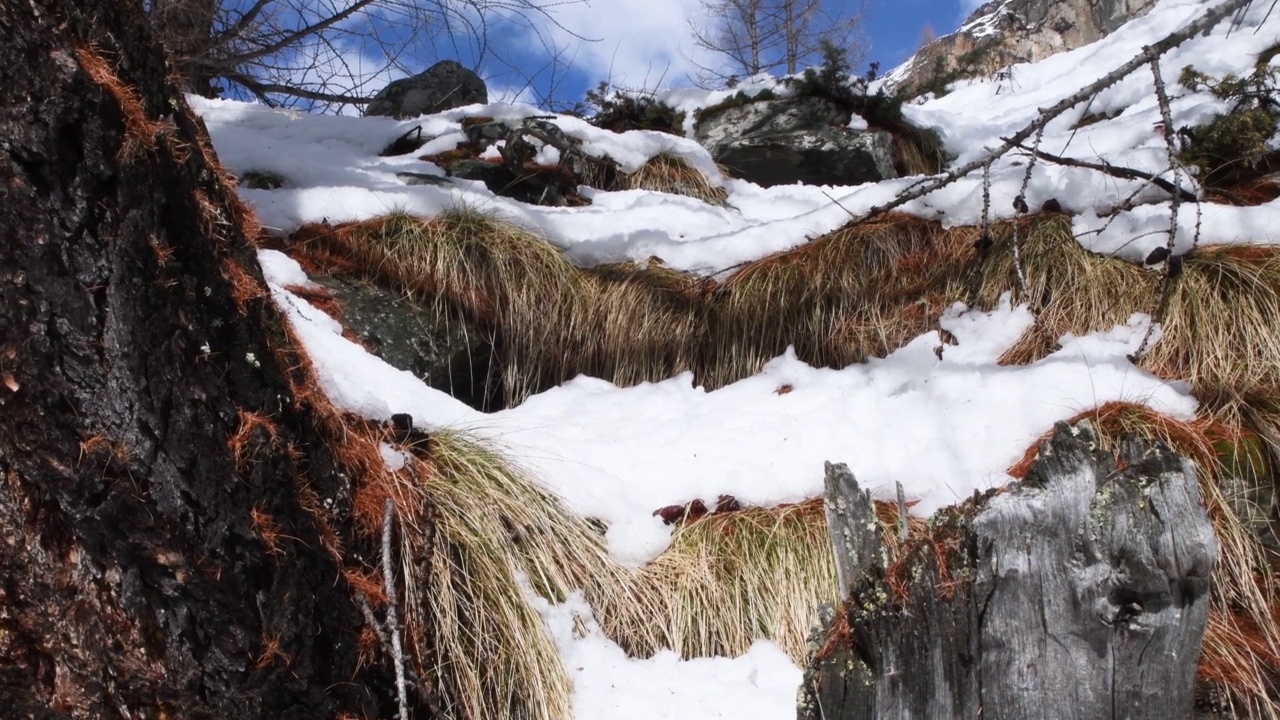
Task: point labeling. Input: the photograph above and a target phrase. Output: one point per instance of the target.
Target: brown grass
(669, 173)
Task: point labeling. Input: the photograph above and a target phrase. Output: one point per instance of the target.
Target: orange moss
(250, 423)
(271, 652)
(93, 444)
(368, 583)
(322, 299)
(310, 503)
(140, 131)
(245, 288)
(267, 528)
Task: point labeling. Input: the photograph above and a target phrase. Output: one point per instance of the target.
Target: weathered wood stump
(1081, 592)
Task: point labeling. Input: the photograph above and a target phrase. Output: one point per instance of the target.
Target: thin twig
(1172, 265)
(393, 624)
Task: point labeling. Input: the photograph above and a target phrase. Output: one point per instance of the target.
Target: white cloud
(639, 43)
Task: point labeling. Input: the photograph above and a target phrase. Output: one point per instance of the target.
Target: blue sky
(635, 44)
(894, 26)
(645, 44)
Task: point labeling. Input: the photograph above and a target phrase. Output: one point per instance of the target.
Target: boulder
(443, 350)
(804, 139)
(440, 87)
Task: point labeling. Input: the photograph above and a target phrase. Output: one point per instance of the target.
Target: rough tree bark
(146, 569)
(1078, 594)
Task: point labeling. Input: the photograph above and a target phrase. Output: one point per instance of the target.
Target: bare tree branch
(323, 53)
(1118, 171)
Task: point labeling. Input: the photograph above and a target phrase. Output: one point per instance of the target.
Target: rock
(443, 350)
(539, 163)
(804, 139)
(1005, 32)
(440, 87)
(417, 178)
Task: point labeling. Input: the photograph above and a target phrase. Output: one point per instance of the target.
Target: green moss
(738, 99)
(621, 111)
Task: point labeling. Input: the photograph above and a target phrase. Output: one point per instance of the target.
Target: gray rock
(1005, 32)
(804, 139)
(417, 178)
(440, 87)
(442, 349)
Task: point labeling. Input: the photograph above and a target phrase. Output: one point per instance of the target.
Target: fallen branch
(1148, 55)
(1118, 171)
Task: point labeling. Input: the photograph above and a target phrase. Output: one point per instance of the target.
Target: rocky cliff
(1004, 32)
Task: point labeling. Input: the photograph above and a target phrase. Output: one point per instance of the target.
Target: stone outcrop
(1006, 32)
(440, 87)
(802, 139)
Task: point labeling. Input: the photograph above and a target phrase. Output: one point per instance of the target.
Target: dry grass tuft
(731, 578)
(497, 273)
(1219, 326)
(669, 173)
(490, 532)
(1238, 662)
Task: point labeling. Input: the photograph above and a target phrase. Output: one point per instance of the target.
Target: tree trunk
(166, 496)
(1080, 593)
(185, 28)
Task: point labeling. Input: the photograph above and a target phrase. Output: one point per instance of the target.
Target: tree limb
(287, 40)
(261, 89)
(1118, 171)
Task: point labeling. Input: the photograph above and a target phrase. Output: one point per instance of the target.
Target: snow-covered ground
(943, 427)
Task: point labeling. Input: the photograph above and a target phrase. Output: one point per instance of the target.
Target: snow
(607, 685)
(332, 170)
(942, 419)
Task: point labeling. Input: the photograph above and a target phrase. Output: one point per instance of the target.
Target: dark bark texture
(1078, 594)
(153, 563)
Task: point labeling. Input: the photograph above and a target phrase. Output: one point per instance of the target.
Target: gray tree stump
(1081, 592)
